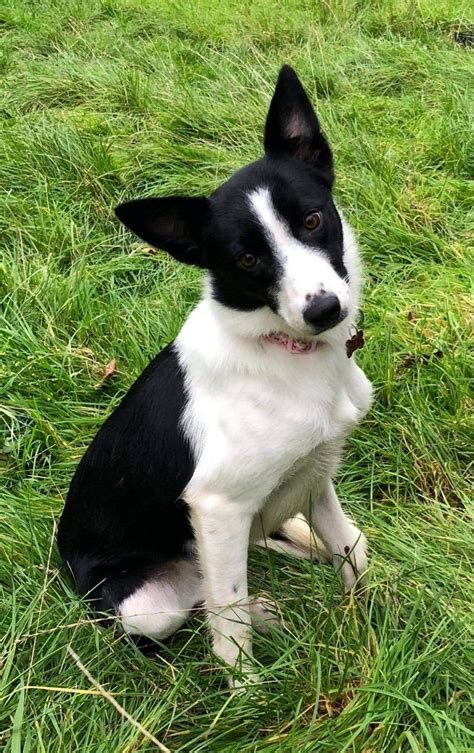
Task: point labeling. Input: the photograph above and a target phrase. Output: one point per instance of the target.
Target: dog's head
(271, 235)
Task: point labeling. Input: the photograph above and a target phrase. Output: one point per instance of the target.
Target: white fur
(267, 428)
(300, 541)
(163, 603)
(307, 272)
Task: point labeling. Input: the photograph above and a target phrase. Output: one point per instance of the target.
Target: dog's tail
(298, 538)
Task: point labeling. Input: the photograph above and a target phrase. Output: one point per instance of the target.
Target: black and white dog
(233, 433)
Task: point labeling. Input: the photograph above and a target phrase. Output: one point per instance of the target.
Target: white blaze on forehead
(275, 229)
(306, 270)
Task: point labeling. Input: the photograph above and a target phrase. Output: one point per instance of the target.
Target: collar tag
(355, 342)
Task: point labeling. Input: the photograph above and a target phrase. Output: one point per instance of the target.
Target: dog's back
(123, 516)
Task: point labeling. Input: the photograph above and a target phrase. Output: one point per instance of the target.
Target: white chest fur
(255, 410)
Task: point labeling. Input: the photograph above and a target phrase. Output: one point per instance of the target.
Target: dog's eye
(312, 219)
(248, 261)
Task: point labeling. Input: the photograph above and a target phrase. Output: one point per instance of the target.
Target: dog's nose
(323, 311)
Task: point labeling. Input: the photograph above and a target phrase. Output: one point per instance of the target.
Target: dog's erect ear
(292, 128)
(175, 224)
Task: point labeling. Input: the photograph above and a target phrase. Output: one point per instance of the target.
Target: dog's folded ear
(292, 128)
(175, 224)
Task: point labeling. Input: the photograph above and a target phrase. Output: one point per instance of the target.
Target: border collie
(232, 434)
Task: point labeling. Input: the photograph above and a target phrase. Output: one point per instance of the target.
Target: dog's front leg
(222, 531)
(346, 543)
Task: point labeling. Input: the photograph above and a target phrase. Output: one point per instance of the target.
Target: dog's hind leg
(296, 537)
(164, 602)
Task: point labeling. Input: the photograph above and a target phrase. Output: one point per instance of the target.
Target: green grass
(108, 99)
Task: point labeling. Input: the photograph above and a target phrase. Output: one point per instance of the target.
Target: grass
(108, 99)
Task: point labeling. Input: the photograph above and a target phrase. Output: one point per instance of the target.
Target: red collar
(302, 346)
(294, 345)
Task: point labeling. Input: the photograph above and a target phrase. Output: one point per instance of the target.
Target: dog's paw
(244, 681)
(351, 563)
(264, 614)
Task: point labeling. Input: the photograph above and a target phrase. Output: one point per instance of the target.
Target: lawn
(110, 99)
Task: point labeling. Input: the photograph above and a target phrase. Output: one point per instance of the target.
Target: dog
(233, 433)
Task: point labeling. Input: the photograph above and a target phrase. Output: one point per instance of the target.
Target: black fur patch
(124, 516)
(296, 188)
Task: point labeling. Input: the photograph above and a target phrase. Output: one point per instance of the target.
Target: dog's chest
(276, 414)
(250, 430)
